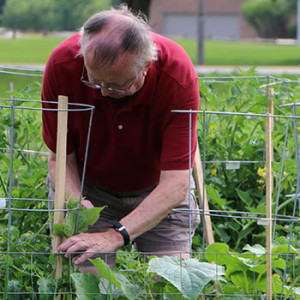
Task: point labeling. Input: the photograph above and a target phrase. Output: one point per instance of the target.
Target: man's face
(118, 80)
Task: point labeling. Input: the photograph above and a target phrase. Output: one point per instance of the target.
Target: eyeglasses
(110, 89)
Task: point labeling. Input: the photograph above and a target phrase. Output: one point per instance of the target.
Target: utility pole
(200, 31)
(298, 23)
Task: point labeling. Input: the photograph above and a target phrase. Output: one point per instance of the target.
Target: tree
(71, 14)
(2, 2)
(49, 14)
(14, 18)
(139, 5)
(270, 18)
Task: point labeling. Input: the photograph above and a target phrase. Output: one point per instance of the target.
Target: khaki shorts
(173, 233)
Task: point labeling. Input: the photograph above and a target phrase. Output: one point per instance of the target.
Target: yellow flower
(214, 172)
(276, 276)
(261, 172)
(260, 181)
(285, 174)
(212, 136)
(289, 280)
(213, 127)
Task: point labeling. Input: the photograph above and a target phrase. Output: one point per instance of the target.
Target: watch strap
(119, 227)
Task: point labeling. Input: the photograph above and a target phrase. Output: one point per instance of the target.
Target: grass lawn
(19, 83)
(36, 51)
(27, 50)
(244, 54)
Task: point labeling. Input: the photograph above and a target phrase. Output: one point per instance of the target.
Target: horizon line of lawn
(36, 50)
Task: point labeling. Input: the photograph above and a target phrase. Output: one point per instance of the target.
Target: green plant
(268, 17)
(246, 272)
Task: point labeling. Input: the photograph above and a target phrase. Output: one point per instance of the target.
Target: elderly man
(138, 159)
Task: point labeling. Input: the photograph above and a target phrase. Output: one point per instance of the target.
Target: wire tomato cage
(232, 141)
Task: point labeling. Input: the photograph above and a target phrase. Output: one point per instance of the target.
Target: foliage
(240, 187)
(27, 262)
(72, 14)
(138, 5)
(76, 220)
(30, 15)
(270, 18)
(49, 14)
(246, 272)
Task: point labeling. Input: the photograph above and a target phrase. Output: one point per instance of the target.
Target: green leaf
(296, 291)
(86, 218)
(244, 197)
(284, 249)
(276, 284)
(244, 280)
(214, 196)
(85, 285)
(219, 253)
(14, 287)
(256, 249)
(105, 271)
(189, 276)
(45, 288)
(127, 288)
(262, 268)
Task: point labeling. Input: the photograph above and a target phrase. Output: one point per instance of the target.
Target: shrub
(268, 17)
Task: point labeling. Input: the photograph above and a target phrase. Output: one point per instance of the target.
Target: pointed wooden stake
(60, 174)
(269, 191)
(198, 175)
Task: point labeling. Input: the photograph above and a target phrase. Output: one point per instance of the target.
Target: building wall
(223, 19)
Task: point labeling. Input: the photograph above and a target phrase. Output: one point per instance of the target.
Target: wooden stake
(60, 174)
(269, 191)
(198, 174)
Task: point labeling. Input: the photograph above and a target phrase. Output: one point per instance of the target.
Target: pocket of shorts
(183, 218)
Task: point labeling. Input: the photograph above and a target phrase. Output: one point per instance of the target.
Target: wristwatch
(119, 227)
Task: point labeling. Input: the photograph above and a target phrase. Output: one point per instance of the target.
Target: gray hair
(123, 32)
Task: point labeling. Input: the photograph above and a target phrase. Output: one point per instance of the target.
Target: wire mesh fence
(231, 133)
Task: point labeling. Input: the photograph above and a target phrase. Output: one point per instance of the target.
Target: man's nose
(105, 92)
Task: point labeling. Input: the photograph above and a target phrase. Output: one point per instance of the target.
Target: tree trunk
(139, 5)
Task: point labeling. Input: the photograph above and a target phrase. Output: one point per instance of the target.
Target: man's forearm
(73, 185)
(171, 190)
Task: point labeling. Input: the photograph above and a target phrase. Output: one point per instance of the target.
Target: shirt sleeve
(179, 136)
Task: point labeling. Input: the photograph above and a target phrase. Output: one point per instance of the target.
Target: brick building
(223, 19)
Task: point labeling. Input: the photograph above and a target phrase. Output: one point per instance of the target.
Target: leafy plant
(246, 272)
(77, 220)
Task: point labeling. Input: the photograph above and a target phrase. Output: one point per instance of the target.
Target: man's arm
(73, 184)
(171, 190)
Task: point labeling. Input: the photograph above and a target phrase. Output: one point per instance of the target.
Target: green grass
(19, 83)
(244, 54)
(36, 51)
(27, 50)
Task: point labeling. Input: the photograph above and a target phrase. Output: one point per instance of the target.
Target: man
(138, 160)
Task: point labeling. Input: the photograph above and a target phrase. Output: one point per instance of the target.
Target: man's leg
(173, 234)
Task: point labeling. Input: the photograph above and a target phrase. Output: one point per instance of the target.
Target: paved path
(261, 70)
(207, 70)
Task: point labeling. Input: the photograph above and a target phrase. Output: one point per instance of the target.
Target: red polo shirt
(129, 143)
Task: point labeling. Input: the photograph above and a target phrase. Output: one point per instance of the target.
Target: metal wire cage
(231, 133)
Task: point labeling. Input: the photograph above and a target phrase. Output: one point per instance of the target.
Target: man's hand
(91, 243)
(87, 204)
